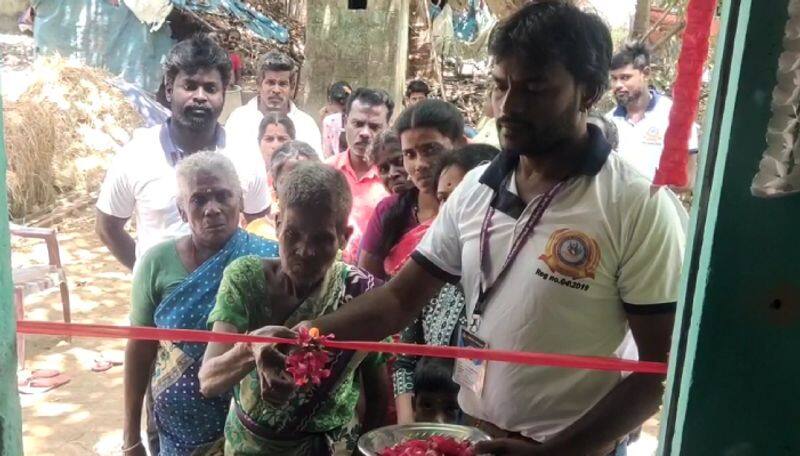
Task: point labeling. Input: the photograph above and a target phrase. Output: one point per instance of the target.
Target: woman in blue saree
(174, 287)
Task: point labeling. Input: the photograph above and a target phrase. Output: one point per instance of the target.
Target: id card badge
(470, 373)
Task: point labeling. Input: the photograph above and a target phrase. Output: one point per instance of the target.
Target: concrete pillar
(365, 47)
(10, 421)
(733, 385)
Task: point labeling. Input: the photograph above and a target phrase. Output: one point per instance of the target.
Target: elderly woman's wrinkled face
(389, 162)
(309, 240)
(211, 206)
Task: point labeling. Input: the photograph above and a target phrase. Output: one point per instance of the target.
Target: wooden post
(10, 420)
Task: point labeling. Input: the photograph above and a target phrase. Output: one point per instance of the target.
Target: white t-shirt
(242, 126)
(141, 180)
(605, 240)
(641, 143)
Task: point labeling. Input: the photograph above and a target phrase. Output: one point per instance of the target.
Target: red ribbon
(185, 335)
(686, 93)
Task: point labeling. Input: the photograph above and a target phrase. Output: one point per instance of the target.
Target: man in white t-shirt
(277, 80)
(642, 114)
(597, 264)
(141, 178)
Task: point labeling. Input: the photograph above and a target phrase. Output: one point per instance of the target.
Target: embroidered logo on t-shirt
(653, 135)
(571, 253)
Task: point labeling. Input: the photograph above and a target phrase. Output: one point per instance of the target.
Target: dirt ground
(84, 416)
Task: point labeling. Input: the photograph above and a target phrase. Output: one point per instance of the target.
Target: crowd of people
(397, 226)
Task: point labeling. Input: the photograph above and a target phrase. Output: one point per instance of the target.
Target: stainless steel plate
(379, 439)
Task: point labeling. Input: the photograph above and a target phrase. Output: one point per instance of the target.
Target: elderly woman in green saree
(174, 287)
(257, 293)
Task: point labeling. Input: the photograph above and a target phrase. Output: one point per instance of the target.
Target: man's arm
(111, 231)
(385, 310)
(624, 408)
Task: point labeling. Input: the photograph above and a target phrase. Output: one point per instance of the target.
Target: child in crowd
(435, 392)
(333, 118)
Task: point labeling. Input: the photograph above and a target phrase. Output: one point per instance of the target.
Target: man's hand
(509, 447)
(276, 384)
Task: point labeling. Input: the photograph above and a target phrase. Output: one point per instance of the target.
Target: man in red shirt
(366, 115)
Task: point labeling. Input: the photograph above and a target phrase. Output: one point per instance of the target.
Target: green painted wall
(738, 392)
(10, 423)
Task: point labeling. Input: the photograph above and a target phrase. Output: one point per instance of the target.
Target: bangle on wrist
(134, 446)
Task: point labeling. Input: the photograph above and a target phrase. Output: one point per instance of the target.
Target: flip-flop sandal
(43, 385)
(45, 373)
(102, 365)
(25, 377)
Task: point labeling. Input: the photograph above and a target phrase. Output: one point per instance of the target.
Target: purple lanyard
(516, 246)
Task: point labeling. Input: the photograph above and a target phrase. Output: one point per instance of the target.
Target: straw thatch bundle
(61, 133)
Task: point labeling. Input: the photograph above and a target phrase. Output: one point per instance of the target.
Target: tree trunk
(641, 21)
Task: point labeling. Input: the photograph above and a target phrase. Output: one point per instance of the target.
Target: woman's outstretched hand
(276, 384)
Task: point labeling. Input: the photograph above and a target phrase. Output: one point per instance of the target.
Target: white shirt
(141, 180)
(242, 126)
(604, 241)
(641, 143)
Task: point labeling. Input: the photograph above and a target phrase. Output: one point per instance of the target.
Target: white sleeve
(654, 239)
(309, 133)
(117, 196)
(439, 252)
(254, 188)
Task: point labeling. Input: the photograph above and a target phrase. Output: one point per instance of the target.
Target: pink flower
(433, 446)
(309, 364)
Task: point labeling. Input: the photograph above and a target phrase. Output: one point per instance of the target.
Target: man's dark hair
(633, 53)
(276, 118)
(275, 61)
(434, 375)
(417, 86)
(466, 158)
(549, 32)
(370, 97)
(191, 55)
(437, 114)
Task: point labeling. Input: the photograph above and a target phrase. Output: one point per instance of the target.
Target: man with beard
(560, 246)
(277, 80)
(366, 115)
(141, 178)
(642, 114)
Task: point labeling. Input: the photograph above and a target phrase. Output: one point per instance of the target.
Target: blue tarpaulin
(102, 35)
(260, 25)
